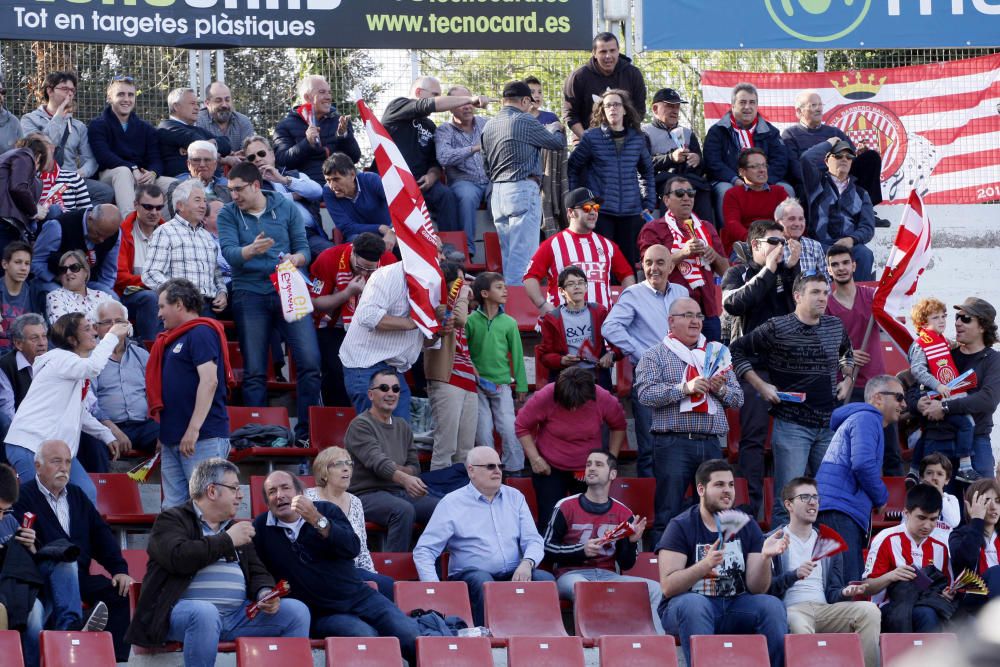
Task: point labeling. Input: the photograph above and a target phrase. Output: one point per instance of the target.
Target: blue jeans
(469, 196)
(982, 453)
(854, 535)
(798, 450)
(201, 626)
(144, 310)
(373, 616)
(517, 215)
(256, 316)
(443, 207)
(58, 606)
(643, 417)
(357, 381)
(496, 411)
(475, 579)
(745, 614)
(385, 584)
(143, 434)
(675, 460)
(23, 462)
(176, 469)
(31, 636)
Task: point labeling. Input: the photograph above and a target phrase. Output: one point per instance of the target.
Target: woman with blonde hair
(74, 296)
(333, 469)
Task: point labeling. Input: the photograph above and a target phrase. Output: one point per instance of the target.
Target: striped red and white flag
(418, 242)
(908, 258)
(936, 125)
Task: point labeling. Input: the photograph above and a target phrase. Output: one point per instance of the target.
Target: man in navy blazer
(64, 512)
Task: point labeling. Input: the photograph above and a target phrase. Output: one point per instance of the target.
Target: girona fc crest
(876, 127)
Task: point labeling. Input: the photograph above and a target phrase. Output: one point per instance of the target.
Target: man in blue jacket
(849, 478)
(257, 231)
(740, 129)
(126, 147)
(313, 131)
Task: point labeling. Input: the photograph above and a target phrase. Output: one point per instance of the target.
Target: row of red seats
(95, 649)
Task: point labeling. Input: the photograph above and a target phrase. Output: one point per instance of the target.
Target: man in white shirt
(814, 592)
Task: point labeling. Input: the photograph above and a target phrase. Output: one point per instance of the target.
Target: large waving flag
(907, 260)
(418, 243)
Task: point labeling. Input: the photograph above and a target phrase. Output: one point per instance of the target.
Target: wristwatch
(944, 407)
(323, 523)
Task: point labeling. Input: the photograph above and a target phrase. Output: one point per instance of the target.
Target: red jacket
(126, 256)
(742, 207)
(553, 346)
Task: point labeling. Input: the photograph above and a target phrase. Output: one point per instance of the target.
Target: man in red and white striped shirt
(896, 554)
(578, 245)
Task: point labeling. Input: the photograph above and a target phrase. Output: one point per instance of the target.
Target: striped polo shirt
(222, 582)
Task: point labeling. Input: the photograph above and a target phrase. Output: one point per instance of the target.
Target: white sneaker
(98, 618)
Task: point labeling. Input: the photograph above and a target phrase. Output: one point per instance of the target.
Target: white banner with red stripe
(418, 242)
(936, 126)
(908, 258)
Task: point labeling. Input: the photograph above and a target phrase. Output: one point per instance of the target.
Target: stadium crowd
(716, 291)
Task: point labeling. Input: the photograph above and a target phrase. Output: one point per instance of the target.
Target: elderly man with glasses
(179, 131)
(386, 469)
(511, 551)
(202, 165)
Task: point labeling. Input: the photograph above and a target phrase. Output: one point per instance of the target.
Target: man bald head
(103, 222)
(477, 464)
(426, 86)
(686, 320)
(657, 266)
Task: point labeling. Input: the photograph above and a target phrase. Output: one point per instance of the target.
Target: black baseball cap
(668, 95)
(840, 147)
(579, 197)
(516, 90)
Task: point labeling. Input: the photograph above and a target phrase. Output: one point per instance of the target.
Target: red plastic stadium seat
(327, 426)
(399, 566)
(542, 651)
(454, 652)
(894, 506)
(636, 493)
(10, 648)
(460, 242)
(646, 566)
(257, 502)
(491, 245)
(63, 649)
(524, 485)
(241, 416)
(363, 652)
(894, 646)
(729, 651)
(268, 651)
(136, 559)
(895, 361)
(612, 608)
(824, 650)
(520, 307)
(526, 608)
(118, 499)
(626, 651)
(451, 598)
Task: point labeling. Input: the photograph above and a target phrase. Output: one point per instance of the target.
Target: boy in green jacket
(495, 348)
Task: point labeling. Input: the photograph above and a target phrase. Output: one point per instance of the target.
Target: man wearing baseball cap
(676, 150)
(512, 142)
(577, 245)
(976, 333)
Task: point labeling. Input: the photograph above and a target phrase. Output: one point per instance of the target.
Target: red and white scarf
(695, 361)
(938, 352)
(690, 268)
(745, 137)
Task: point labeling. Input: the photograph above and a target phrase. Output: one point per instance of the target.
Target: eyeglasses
(899, 396)
(259, 155)
(108, 323)
(70, 268)
(124, 78)
(682, 192)
(492, 467)
(343, 463)
(843, 156)
(569, 284)
(384, 388)
(234, 488)
(201, 160)
(757, 165)
(235, 190)
(808, 497)
(588, 208)
(613, 105)
(963, 318)
(65, 89)
(772, 240)
(152, 207)
(690, 316)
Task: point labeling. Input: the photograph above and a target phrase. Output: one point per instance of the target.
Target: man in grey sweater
(386, 470)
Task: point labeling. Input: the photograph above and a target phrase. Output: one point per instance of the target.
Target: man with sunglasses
(509, 551)
(754, 291)
(136, 230)
(179, 131)
(849, 478)
(339, 277)
(577, 245)
(386, 470)
(840, 210)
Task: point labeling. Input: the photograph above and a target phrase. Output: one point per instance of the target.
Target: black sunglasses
(689, 192)
(152, 207)
(899, 396)
(489, 466)
(965, 319)
(384, 387)
(259, 155)
(72, 268)
(771, 240)
(127, 78)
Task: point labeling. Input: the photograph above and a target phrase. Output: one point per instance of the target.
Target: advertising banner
(818, 24)
(936, 126)
(390, 24)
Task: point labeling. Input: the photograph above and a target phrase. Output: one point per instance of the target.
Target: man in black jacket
(28, 333)
(204, 572)
(94, 231)
(63, 512)
(753, 291)
(179, 131)
(313, 546)
(607, 68)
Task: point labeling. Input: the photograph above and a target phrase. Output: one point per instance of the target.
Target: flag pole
(857, 369)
